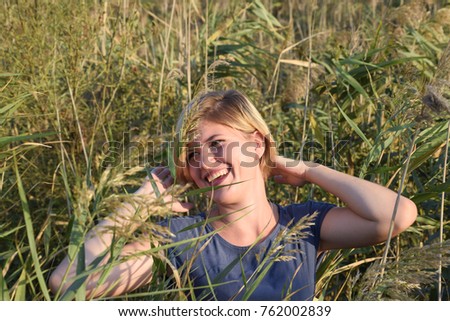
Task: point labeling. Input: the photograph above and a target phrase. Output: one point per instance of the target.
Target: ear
(260, 147)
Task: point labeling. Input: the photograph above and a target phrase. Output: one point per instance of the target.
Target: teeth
(212, 177)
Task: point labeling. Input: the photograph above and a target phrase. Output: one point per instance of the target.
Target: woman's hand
(290, 171)
(163, 180)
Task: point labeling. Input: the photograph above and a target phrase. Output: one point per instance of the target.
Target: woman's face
(221, 155)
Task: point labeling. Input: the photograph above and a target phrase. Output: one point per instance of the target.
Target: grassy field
(90, 92)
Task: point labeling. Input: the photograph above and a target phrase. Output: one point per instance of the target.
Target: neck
(250, 219)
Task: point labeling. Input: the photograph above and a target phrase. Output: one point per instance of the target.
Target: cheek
(248, 156)
(233, 154)
(194, 174)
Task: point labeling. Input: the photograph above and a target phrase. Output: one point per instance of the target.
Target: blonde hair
(229, 108)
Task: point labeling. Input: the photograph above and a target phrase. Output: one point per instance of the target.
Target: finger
(156, 172)
(182, 207)
(280, 179)
(158, 169)
(166, 177)
(274, 172)
(155, 181)
(164, 173)
(161, 172)
(167, 181)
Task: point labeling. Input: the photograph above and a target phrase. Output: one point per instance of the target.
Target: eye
(192, 154)
(215, 144)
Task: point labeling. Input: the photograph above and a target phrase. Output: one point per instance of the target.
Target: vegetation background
(90, 92)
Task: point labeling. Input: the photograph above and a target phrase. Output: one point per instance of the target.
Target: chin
(228, 195)
(220, 195)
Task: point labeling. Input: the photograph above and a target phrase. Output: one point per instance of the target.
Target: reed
(90, 94)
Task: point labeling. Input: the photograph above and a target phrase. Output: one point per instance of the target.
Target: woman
(244, 246)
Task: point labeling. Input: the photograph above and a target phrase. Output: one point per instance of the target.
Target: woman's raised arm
(134, 271)
(365, 219)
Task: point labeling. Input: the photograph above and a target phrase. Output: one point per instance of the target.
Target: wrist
(308, 170)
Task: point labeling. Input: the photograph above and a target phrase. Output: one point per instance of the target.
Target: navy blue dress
(281, 267)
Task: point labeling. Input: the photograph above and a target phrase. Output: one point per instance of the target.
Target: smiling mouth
(212, 177)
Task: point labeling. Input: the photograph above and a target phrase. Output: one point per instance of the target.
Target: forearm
(98, 241)
(362, 197)
(366, 217)
(124, 221)
(368, 200)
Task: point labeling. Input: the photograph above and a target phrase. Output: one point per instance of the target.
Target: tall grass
(90, 92)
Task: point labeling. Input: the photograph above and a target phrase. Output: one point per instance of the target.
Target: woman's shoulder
(313, 212)
(298, 210)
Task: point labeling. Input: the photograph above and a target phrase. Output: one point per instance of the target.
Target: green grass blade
(171, 164)
(4, 295)
(9, 139)
(354, 126)
(76, 249)
(202, 190)
(431, 141)
(253, 285)
(30, 232)
(353, 82)
(381, 145)
(424, 41)
(14, 105)
(152, 181)
(9, 232)
(77, 290)
(8, 75)
(21, 290)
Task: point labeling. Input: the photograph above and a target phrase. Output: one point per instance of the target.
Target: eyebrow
(213, 137)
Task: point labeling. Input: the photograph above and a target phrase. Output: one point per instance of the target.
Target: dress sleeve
(309, 208)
